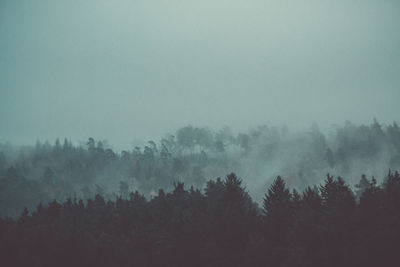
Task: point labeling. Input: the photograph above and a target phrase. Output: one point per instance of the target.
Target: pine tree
(277, 202)
(362, 185)
(336, 195)
(24, 216)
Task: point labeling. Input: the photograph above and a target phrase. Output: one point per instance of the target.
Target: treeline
(322, 226)
(41, 173)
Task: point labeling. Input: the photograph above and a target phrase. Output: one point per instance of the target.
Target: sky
(129, 71)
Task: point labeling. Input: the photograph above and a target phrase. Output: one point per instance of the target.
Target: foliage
(223, 227)
(30, 175)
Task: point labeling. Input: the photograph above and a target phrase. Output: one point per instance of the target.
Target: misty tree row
(41, 173)
(322, 226)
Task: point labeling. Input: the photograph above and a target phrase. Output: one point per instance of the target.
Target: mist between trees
(44, 172)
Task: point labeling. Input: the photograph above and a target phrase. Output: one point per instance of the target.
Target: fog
(33, 174)
(199, 133)
(131, 71)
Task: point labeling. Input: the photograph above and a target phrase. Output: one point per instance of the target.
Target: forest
(161, 205)
(199, 133)
(192, 155)
(325, 225)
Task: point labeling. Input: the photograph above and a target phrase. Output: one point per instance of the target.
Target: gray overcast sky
(126, 70)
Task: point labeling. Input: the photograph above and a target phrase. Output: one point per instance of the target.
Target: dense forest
(42, 173)
(87, 205)
(199, 133)
(322, 226)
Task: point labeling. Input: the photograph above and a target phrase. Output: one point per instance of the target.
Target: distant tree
(54, 210)
(244, 141)
(100, 190)
(24, 216)
(329, 157)
(371, 196)
(86, 192)
(185, 138)
(311, 199)
(296, 199)
(66, 146)
(48, 176)
(91, 144)
(153, 146)
(362, 185)
(214, 191)
(3, 163)
(123, 189)
(57, 145)
(12, 173)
